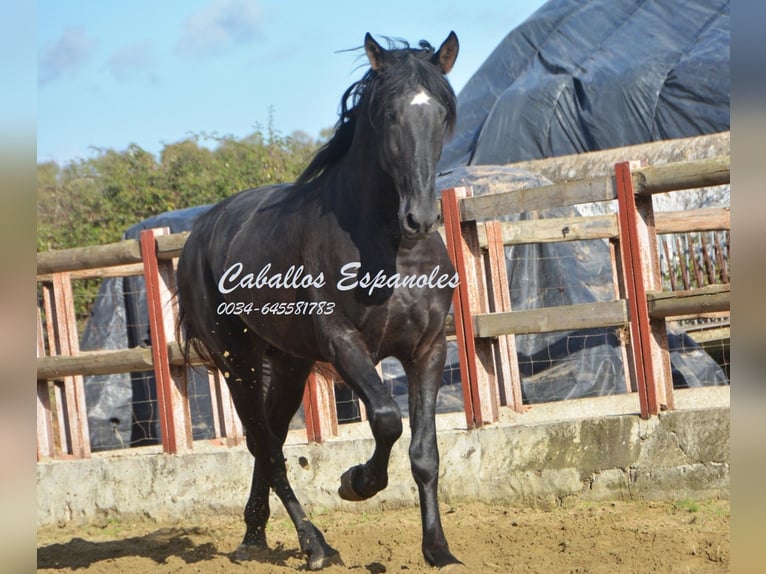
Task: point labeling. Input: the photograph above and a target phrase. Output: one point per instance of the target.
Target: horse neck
(359, 191)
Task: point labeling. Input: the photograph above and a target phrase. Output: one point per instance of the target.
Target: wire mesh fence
(562, 365)
(450, 399)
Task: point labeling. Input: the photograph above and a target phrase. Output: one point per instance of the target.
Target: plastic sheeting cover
(589, 75)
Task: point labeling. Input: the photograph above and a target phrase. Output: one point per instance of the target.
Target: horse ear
(376, 54)
(445, 56)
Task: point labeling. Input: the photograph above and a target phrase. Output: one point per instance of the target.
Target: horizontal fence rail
(562, 318)
(484, 325)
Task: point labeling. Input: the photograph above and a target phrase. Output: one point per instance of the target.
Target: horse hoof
(324, 560)
(250, 552)
(455, 568)
(346, 490)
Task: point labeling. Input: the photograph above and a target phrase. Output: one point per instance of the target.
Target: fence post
(71, 415)
(505, 345)
(477, 368)
(228, 428)
(172, 392)
(319, 407)
(638, 244)
(623, 333)
(45, 441)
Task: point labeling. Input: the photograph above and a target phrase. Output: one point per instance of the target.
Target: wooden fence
(484, 323)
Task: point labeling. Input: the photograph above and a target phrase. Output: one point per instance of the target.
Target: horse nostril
(412, 223)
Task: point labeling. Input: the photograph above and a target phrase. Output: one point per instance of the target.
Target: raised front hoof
(327, 557)
(350, 488)
(346, 490)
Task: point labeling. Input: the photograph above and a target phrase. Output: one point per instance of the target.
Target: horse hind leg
(257, 513)
(268, 414)
(245, 379)
(241, 360)
(284, 398)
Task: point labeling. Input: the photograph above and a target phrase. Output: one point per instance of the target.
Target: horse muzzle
(419, 224)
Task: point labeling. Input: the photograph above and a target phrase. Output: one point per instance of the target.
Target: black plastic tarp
(596, 74)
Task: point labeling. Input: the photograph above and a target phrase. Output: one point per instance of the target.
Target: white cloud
(71, 51)
(132, 61)
(218, 27)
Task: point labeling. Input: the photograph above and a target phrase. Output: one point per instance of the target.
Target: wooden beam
(176, 356)
(710, 219)
(506, 357)
(171, 245)
(63, 316)
(96, 257)
(555, 229)
(320, 414)
(602, 162)
(641, 269)
(110, 362)
(681, 175)
(712, 298)
(90, 257)
(477, 368)
(45, 435)
(95, 363)
(127, 270)
(562, 318)
(537, 198)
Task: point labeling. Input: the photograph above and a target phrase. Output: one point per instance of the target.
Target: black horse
(344, 266)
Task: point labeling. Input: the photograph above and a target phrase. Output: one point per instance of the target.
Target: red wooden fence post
(172, 394)
(638, 244)
(319, 407)
(477, 367)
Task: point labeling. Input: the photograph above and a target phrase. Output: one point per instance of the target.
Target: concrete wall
(539, 458)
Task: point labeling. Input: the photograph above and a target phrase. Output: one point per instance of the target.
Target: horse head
(412, 109)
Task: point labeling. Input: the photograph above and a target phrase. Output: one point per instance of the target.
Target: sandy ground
(624, 537)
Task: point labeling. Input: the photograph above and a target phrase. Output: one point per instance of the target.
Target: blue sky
(146, 72)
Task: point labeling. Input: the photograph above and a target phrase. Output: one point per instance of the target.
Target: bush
(93, 201)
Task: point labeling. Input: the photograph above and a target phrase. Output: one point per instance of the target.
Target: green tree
(94, 201)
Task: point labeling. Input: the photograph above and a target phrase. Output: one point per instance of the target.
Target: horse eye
(390, 117)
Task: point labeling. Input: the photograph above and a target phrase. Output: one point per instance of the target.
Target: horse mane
(410, 65)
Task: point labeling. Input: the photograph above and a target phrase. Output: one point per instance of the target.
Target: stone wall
(682, 454)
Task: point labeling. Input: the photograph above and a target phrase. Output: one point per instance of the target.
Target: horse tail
(193, 349)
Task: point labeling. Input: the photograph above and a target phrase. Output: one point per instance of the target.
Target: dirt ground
(624, 537)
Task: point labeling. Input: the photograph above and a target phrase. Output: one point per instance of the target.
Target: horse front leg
(424, 376)
(358, 371)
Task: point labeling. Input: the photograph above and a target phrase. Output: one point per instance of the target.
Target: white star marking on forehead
(420, 99)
